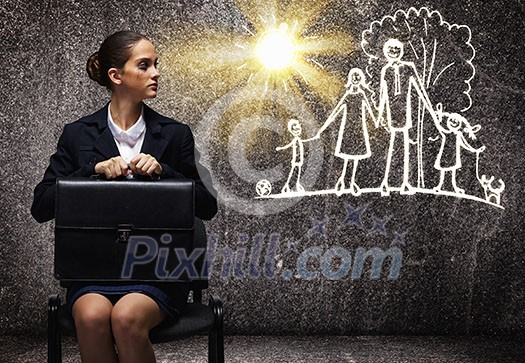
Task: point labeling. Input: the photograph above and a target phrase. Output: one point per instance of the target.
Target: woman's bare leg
(340, 185)
(92, 314)
(132, 318)
(354, 188)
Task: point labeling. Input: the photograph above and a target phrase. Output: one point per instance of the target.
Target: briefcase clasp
(124, 231)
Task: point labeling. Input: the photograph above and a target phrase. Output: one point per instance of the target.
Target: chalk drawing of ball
(263, 187)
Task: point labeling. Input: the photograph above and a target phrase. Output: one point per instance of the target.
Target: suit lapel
(153, 144)
(106, 145)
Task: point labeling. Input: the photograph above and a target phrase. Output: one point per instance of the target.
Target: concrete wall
(461, 264)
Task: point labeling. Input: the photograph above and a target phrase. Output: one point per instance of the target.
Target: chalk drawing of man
(398, 81)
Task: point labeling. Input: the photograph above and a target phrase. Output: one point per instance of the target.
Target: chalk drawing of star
(379, 225)
(353, 215)
(318, 227)
(399, 238)
(292, 245)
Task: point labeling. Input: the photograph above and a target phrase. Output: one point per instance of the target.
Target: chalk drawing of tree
(441, 52)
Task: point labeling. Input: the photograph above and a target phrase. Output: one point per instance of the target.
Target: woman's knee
(126, 324)
(92, 314)
(134, 315)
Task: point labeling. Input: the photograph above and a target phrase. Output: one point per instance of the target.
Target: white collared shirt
(129, 142)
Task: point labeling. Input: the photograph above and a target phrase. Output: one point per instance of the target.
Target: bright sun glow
(279, 48)
(276, 49)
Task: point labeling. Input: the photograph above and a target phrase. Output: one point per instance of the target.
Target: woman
(125, 139)
(352, 141)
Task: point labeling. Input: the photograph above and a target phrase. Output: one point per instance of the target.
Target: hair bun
(93, 69)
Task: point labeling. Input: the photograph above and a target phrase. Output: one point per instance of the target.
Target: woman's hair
(113, 53)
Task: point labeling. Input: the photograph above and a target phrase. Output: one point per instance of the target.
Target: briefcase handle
(123, 178)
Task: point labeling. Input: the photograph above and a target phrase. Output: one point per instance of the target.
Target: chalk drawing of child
(295, 128)
(452, 140)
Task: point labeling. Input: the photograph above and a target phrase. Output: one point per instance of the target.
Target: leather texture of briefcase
(122, 230)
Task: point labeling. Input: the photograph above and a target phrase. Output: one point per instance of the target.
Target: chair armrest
(53, 331)
(216, 306)
(53, 303)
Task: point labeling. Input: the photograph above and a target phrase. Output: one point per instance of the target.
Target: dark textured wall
(463, 261)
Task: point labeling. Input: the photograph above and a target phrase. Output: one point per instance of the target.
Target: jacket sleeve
(61, 164)
(190, 168)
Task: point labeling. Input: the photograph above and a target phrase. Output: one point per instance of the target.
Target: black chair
(196, 319)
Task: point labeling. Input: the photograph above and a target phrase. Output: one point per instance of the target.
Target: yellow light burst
(277, 48)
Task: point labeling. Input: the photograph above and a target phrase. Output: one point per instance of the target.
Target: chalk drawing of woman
(352, 142)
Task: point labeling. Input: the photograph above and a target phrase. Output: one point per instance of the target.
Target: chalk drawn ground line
(308, 193)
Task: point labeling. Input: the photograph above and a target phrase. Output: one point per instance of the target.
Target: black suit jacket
(87, 141)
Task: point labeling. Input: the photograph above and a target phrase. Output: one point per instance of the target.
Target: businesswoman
(124, 139)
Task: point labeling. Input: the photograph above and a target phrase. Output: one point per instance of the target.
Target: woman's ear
(114, 76)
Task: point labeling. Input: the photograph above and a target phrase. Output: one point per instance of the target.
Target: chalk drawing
(353, 141)
(296, 144)
(398, 79)
(414, 57)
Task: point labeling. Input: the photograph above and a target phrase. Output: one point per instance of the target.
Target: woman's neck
(353, 89)
(124, 112)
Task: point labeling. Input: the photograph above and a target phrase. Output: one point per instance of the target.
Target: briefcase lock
(124, 231)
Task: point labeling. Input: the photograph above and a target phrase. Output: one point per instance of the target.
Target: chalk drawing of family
(400, 87)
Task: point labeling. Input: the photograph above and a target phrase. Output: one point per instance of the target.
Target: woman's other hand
(112, 168)
(145, 164)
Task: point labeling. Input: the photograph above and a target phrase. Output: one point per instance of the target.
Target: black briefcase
(122, 230)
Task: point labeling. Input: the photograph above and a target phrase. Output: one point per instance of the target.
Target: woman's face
(355, 78)
(139, 76)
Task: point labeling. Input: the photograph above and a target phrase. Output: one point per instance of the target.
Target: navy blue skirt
(171, 297)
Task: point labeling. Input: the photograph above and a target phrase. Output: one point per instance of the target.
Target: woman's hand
(112, 168)
(145, 164)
